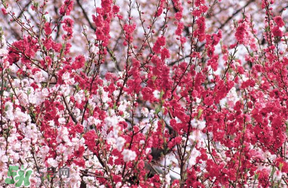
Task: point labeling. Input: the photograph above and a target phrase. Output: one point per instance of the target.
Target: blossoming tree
(133, 93)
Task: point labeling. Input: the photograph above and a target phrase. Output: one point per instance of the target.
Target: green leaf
(280, 166)
(29, 91)
(199, 113)
(62, 50)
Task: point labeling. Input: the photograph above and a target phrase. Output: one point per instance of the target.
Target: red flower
(68, 24)
(4, 11)
(47, 28)
(115, 9)
(200, 32)
(79, 62)
(279, 21)
(80, 162)
(179, 29)
(67, 7)
(277, 32)
(165, 53)
(161, 41)
(79, 152)
(263, 177)
(178, 15)
(106, 5)
(90, 138)
(240, 33)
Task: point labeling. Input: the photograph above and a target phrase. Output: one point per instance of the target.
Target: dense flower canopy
(136, 93)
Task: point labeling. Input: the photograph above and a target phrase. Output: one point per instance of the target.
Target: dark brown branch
(235, 13)
(70, 113)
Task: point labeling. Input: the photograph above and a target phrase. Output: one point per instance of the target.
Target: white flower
(13, 69)
(52, 162)
(15, 157)
(93, 121)
(22, 96)
(199, 124)
(33, 98)
(111, 121)
(9, 106)
(148, 150)
(16, 146)
(30, 132)
(278, 175)
(79, 96)
(116, 93)
(38, 98)
(196, 136)
(75, 179)
(198, 100)
(232, 97)
(244, 78)
(65, 89)
(110, 139)
(20, 117)
(52, 123)
(61, 120)
(145, 111)
(194, 154)
(104, 96)
(67, 80)
(45, 92)
(120, 143)
(124, 104)
(128, 155)
(63, 135)
(66, 76)
(3, 52)
(156, 94)
(38, 77)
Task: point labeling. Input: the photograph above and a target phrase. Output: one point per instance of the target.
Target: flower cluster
(137, 94)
